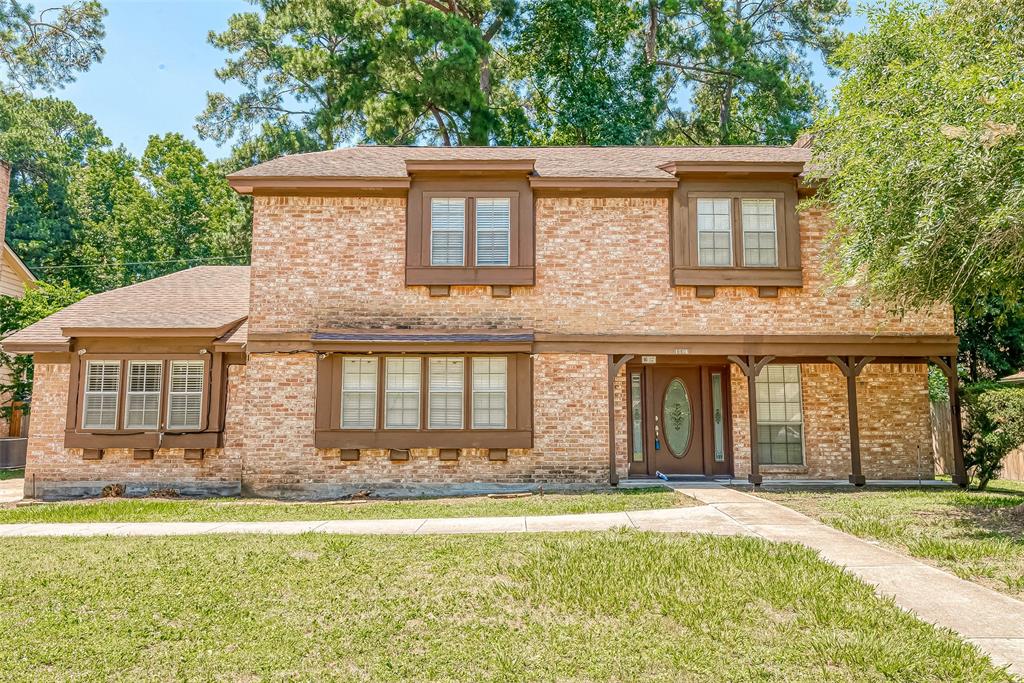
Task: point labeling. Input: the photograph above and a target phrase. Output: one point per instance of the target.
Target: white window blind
(447, 380)
(185, 394)
(447, 232)
(490, 392)
(759, 233)
(102, 384)
(780, 423)
(714, 232)
(358, 393)
(493, 221)
(402, 393)
(142, 395)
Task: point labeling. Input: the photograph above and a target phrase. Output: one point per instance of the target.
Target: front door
(675, 421)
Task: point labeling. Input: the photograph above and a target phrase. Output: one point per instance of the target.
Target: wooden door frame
(707, 425)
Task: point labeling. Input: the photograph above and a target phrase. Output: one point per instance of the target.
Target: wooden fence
(942, 446)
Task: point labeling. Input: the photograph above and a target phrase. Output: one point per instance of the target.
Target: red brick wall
(57, 472)
(602, 268)
(895, 424)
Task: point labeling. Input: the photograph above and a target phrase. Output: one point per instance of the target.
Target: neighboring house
(14, 277)
(417, 319)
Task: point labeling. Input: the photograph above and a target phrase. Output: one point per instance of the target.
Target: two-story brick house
(416, 318)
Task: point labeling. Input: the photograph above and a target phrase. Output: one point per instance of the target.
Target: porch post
(751, 367)
(614, 365)
(851, 369)
(948, 366)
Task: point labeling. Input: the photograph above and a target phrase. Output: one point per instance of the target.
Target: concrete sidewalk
(992, 621)
(11, 490)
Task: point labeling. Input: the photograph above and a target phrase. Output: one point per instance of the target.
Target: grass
(977, 535)
(253, 510)
(613, 606)
(11, 474)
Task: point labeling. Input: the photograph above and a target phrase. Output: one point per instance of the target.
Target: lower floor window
(780, 428)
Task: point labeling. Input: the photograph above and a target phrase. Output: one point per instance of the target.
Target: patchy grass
(614, 606)
(254, 510)
(977, 535)
(11, 474)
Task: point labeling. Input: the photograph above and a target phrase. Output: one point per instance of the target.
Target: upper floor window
(714, 231)
(470, 231)
(760, 243)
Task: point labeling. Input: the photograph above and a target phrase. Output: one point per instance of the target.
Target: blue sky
(159, 67)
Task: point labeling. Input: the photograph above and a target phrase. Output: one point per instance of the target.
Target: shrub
(994, 427)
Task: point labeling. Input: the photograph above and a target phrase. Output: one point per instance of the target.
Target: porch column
(751, 368)
(948, 366)
(615, 363)
(851, 369)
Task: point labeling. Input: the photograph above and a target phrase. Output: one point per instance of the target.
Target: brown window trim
(519, 409)
(520, 271)
(686, 268)
(207, 436)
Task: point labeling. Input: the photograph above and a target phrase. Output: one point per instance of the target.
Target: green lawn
(614, 606)
(253, 510)
(11, 474)
(978, 535)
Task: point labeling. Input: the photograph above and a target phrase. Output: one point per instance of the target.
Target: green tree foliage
(386, 71)
(925, 157)
(46, 142)
(40, 300)
(586, 78)
(742, 66)
(994, 427)
(991, 331)
(46, 49)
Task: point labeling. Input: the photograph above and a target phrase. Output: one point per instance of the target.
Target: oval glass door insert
(678, 418)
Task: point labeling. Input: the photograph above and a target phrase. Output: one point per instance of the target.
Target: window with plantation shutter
(447, 377)
(358, 393)
(447, 231)
(402, 393)
(780, 424)
(185, 394)
(142, 395)
(714, 231)
(102, 385)
(759, 233)
(493, 225)
(490, 392)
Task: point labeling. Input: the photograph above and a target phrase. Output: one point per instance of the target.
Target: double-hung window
(490, 392)
(102, 388)
(714, 231)
(493, 231)
(760, 236)
(358, 393)
(780, 425)
(447, 231)
(446, 405)
(402, 393)
(185, 394)
(142, 395)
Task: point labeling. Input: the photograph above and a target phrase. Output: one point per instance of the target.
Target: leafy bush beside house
(40, 300)
(994, 426)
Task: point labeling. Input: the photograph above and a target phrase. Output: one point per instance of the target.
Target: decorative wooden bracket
(851, 366)
(751, 364)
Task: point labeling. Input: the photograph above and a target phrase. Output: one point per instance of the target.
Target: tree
(924, 157)
(142, 218)
(743, 63)
(385, 71)
(41, 300)
(587, 80)
(46, 141)
(45, 50)
(991, 331)
(994, 427)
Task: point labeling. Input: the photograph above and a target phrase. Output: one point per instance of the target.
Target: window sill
(784, 469)
(481, 275)
(142, 440)
(434, 438)
(737, 277)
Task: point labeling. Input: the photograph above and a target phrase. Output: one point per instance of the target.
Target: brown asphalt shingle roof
(207, 299)
(370, 161)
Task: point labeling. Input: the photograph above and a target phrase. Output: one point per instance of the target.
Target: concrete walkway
(992, 621)
(11, 490)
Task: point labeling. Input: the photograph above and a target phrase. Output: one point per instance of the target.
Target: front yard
(977, 535)
(593, 606)
(255, 510)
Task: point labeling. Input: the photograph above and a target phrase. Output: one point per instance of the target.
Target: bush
(994, 427)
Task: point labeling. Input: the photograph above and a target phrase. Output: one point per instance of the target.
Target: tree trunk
(724, 113)
(441, 128)
(652, 30)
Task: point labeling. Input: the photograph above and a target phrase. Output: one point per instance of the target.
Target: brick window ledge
(458, 275)
(784, 469)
